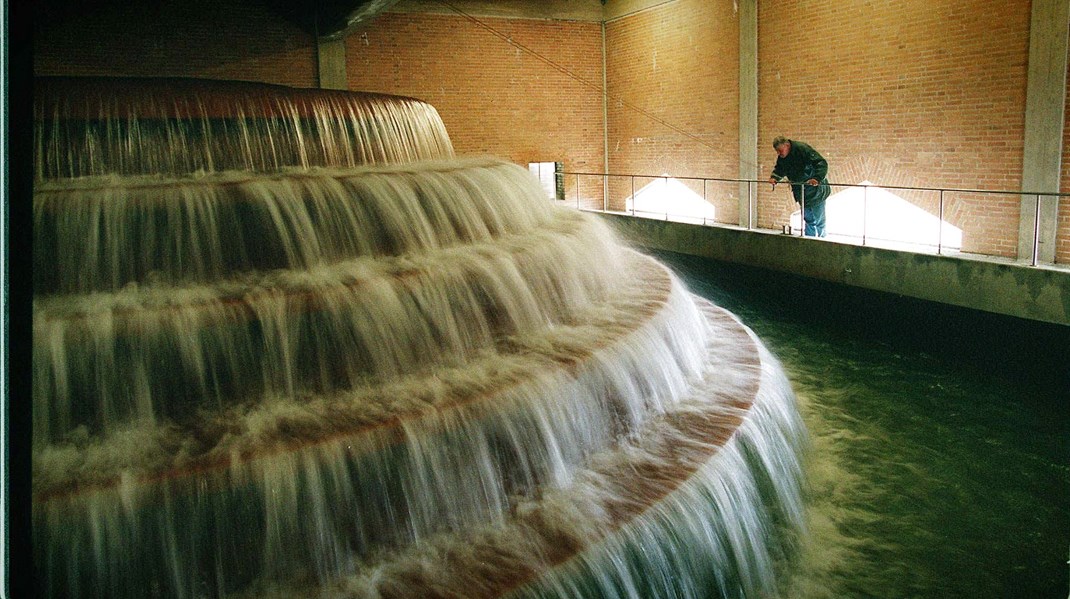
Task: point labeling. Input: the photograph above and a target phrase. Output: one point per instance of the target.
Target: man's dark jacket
(800, 165)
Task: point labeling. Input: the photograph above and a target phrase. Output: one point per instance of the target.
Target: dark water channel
(940, 459)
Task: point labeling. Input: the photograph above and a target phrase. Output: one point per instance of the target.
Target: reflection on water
(940, 437)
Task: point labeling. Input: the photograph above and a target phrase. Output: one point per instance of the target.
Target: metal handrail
(751, 183)
(766, 181)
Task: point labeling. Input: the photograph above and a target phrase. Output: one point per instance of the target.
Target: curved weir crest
(286, 344)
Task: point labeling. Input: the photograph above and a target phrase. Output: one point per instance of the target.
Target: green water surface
(940, 458)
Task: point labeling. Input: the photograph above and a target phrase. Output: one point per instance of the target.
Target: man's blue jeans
(814, 216)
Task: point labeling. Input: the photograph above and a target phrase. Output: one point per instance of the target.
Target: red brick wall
(673, 83)
(901, 93)
(231, 39)
(494, 97)
(909, 93)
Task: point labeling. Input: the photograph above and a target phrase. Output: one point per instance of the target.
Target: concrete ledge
(1034, 293)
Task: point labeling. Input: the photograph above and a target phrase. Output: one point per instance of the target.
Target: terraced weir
(286, 344)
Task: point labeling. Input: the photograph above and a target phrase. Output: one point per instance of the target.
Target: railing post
(865, 213)
(633, 194)
(751, 210)
(605, 192)
(666, 179)
(802, 209)
(704, 200)
(1036, 231)
(940, 231)
(577, 192)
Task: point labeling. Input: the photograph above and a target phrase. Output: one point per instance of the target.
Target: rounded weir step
(457, 458)
(103, 234)
(86, 126)
(306, 332)
(626, 495)
(639, 314)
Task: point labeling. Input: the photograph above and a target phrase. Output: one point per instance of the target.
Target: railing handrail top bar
(902, 187)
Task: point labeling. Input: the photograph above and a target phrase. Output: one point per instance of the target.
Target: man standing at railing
(805, 169)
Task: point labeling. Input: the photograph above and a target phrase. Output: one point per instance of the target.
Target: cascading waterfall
(286, 344)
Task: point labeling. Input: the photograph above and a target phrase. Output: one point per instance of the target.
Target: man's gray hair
(779, 141)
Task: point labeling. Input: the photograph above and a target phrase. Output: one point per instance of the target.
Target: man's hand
(811, 181)
(772, 181)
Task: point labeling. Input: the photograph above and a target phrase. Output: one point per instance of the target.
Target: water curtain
(287, 344)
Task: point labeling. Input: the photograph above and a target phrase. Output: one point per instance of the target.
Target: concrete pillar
(331, 60)
(748, 110)
(1044, 106)
(605, 122)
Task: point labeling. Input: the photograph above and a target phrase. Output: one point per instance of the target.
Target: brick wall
(231, 39)
(673, 83)
(909, 93)
(901, 93)
(495, 97)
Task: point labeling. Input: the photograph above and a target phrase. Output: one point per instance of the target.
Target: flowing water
(120, 126)
(940, 460)
(285, 344)
(268, 364)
